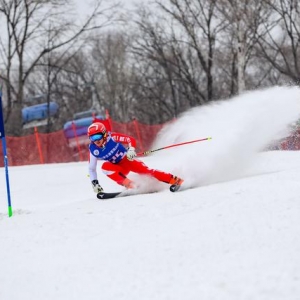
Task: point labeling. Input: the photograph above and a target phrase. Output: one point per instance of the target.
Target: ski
(105, 196)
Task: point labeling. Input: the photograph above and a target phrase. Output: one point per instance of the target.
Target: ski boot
(175, 183)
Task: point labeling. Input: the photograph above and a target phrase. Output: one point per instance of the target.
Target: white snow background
(234, 236)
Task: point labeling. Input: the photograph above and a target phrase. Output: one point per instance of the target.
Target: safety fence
(41, 148)
(290, 143)
(55, 147)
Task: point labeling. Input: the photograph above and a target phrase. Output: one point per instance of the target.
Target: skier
(119, 161)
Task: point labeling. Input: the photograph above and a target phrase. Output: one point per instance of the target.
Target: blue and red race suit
(116, 165)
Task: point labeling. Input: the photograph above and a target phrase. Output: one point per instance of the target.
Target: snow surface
(234, 236)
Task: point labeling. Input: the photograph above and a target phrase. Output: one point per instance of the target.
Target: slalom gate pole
(171, 146)
(2, 137)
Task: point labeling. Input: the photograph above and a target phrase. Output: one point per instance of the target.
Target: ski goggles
(96, 137)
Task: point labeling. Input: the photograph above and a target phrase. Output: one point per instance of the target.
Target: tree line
(151, 63)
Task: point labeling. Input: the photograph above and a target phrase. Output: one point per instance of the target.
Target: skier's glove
(96, 186)
(131, 154)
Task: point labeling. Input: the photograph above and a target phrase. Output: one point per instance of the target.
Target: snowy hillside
(234, 236)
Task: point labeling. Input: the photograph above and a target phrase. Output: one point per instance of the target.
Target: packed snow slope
(234, 236)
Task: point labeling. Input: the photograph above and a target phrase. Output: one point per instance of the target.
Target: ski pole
(171, 146)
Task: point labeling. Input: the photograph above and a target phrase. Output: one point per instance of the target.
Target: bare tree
(113, 74)
(200, 26)
(155, 64)
(176, 47)
(153, 93)
(281, 46)
(245, 21)
(49, 79)
(35, 28)
(69, 81)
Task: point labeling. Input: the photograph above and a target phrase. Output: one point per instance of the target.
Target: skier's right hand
(131, 154)
(96, 186)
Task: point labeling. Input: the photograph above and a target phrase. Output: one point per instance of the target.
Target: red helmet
(96, 128)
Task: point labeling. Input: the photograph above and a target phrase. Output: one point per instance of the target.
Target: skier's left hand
(131, 154)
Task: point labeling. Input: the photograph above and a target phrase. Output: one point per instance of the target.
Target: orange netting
(56, 147)
(40, 148)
